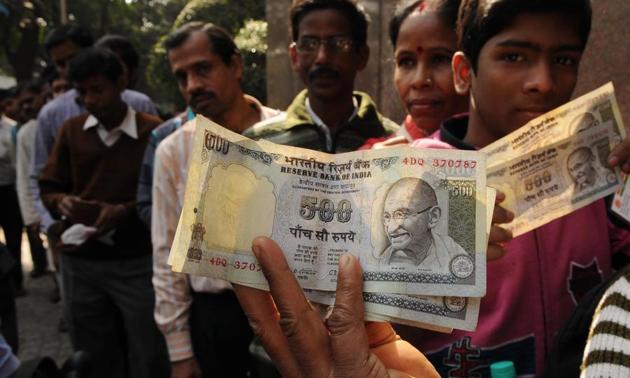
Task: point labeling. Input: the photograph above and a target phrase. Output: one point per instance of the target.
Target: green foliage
(21, 31)
(243, 19)
(228, 14)
(146, 23)
(252, 41)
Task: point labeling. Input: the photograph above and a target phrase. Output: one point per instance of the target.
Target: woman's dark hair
(446, 10)
(480, 20)
(356, 17)
(94, 61)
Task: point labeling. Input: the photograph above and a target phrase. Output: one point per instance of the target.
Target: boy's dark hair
(79, 35)
(221, 42)
(356, 17)
(446, 10)
(94, 61)
(122, 47)
(480, 20)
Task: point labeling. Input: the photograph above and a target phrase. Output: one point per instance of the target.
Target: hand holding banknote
(301, 344)
(499, 235)
(620, 156)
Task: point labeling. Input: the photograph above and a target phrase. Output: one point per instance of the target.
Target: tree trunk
(23, 59)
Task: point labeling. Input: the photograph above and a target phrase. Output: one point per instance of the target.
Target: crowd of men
(86, 161)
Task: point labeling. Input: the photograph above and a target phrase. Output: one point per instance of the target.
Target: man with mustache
(206, 330)
(410, 215)
(328, 50)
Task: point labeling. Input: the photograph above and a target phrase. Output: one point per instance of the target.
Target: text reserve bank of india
(416, 219)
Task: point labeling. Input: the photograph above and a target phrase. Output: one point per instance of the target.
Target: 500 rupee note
(557, 163)
(416, 219)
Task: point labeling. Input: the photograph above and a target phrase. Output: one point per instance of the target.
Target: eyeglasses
(401, 215)
(335, 45)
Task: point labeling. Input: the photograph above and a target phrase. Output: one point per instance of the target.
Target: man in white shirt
(32, 98)
(206, 331)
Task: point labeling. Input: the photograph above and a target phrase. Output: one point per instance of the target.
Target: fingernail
(510, 214)
(345, 260)
(613, 161)
(256, 250)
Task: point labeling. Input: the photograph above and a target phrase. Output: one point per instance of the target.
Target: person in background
(127, 53)
(61, 45)
(32, 98)
(89, 184)
(329, 49)
(206, 330)
(10, 217)
(519, 60)
(11, 105)
(145, 181)
(422, 33)
(58, 85)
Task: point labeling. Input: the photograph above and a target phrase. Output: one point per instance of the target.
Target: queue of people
(102, 177)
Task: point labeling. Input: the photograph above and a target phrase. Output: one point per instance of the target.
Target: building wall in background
(607, 53)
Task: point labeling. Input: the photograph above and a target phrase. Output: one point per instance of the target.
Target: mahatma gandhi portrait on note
(584, 169)
(583, 122)
(410, 215)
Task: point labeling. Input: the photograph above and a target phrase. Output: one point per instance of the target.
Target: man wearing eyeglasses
(410, 216)
(328, 50)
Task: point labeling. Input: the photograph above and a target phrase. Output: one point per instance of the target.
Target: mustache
(323, 71)
(196, 98)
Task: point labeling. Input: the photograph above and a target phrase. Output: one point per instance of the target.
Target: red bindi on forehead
(419, 50)
(422, 6)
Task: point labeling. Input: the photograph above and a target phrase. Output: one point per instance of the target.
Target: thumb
(349, 340)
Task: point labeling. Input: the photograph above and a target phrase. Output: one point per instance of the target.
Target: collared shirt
(173, 290)
(144, 197)
(109, 137)
(50, 119)
(296, 127)
(323, 128)
(25, 143)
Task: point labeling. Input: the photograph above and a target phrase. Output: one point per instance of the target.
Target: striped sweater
(607, 352)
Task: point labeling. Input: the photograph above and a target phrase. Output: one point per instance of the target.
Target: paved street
(38, 318)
